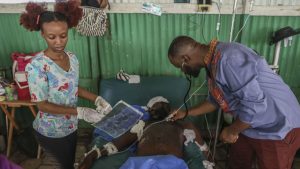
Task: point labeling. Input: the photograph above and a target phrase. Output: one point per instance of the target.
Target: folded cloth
(122, 75)
(157, 162)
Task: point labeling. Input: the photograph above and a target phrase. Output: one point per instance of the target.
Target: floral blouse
(48, 81)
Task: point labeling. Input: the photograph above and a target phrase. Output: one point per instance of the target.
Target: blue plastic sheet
(154, 162)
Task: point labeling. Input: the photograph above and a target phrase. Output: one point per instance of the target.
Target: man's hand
(176, 115)
(231, 134)
(103, 107)
(228, 136)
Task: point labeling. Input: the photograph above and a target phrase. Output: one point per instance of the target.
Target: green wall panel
(138, 43)
(257, 36)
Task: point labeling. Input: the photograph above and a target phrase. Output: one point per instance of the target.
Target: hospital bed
(172, 88)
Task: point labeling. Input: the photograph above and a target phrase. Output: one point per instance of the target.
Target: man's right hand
(176, 115)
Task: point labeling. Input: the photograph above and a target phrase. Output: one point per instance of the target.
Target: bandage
(204, 147)
(110, 148)
(156, 100)
(96, 149)
(138, 129)
(208, 164)
(190, 136)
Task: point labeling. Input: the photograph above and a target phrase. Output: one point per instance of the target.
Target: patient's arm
(120, 143)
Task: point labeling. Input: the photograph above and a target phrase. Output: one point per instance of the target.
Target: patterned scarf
(211, 60)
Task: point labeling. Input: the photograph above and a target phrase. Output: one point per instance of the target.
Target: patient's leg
(162, 139)
(198, 139)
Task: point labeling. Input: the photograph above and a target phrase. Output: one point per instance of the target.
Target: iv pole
(219, 110)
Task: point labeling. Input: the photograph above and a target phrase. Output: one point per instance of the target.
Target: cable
(202, 29)
(186, 94)
(250, 10)
(210, 135)
(232, 20)
(241, 28)
(191, 95)
(219, 18)
(131, 145)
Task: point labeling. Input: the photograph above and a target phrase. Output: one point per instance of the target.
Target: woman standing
(53, 81)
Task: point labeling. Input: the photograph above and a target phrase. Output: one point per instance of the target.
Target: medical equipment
(110, 148)
(185, 100)
(285, 34)
(188, 78)
(184, 103)
(114, 90)
(120, 120)
(97, 151)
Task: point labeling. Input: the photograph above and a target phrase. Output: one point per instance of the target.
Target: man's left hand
(228, 136)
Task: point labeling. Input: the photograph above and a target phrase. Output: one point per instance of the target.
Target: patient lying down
(155, 137)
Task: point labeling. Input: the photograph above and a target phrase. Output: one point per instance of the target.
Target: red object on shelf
(20, 60)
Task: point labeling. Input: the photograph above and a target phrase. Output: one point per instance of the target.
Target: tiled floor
(48, 162)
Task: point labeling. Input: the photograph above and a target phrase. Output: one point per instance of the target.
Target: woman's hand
(103, 107)
(88, 114)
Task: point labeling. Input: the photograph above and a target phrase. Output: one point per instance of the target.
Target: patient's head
(158, 108)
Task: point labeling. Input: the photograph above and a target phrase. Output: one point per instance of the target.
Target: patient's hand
(87, 161)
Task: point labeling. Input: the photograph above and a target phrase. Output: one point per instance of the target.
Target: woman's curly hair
(37, 14)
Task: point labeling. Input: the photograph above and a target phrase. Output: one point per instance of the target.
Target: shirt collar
(211, 51)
